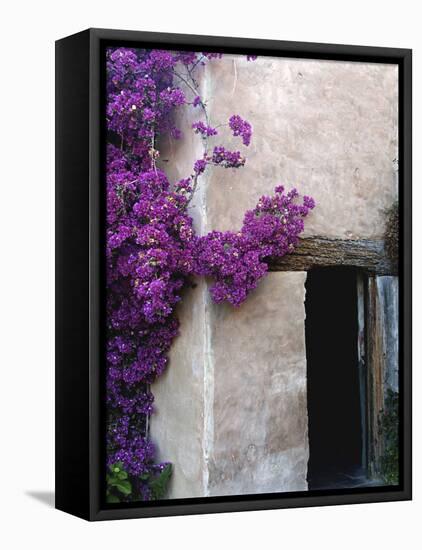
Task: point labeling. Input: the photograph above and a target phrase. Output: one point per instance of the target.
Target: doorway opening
(335, 394)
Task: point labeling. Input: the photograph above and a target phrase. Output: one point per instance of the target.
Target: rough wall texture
(177, 427)
(328, 127)
(258, 440)
(231, 411)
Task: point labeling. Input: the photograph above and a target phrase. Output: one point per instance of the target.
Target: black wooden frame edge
(264, 46)
(405, 281)
(88, 505)
(72, 375)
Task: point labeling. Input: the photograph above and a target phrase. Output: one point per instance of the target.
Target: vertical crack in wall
(208, 396)
(208, 435)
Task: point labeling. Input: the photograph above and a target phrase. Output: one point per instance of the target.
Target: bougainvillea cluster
(153, 252)
(236, 261)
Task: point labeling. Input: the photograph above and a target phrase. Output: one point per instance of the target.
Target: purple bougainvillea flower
(241, 128)
(152, 250)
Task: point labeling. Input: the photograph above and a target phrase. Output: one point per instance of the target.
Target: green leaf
(122, 475)
(159, 485)
(112, 499)
(124, 487)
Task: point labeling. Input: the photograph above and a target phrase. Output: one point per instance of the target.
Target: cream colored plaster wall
(231, 410)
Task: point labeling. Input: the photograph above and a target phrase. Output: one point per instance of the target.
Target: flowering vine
(152, 250)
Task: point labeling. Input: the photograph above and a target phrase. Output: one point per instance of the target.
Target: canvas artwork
(251, 272)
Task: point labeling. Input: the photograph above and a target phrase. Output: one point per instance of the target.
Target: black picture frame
(79, 284)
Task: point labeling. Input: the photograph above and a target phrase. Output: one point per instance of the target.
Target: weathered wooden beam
(369, 255)
(382, 365)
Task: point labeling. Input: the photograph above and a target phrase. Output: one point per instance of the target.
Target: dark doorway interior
(335, 431)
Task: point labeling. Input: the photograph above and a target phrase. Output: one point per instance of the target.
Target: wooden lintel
(368, 255)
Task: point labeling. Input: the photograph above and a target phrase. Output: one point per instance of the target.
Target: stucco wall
(177, 427)
(258, 440)
(329, 128)
(231, 410)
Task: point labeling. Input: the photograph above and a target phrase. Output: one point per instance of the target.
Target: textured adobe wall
(258, 440)
(328, 127)
(231, 411)
(177, 425)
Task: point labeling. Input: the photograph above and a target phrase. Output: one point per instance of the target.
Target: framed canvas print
(233, 274)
